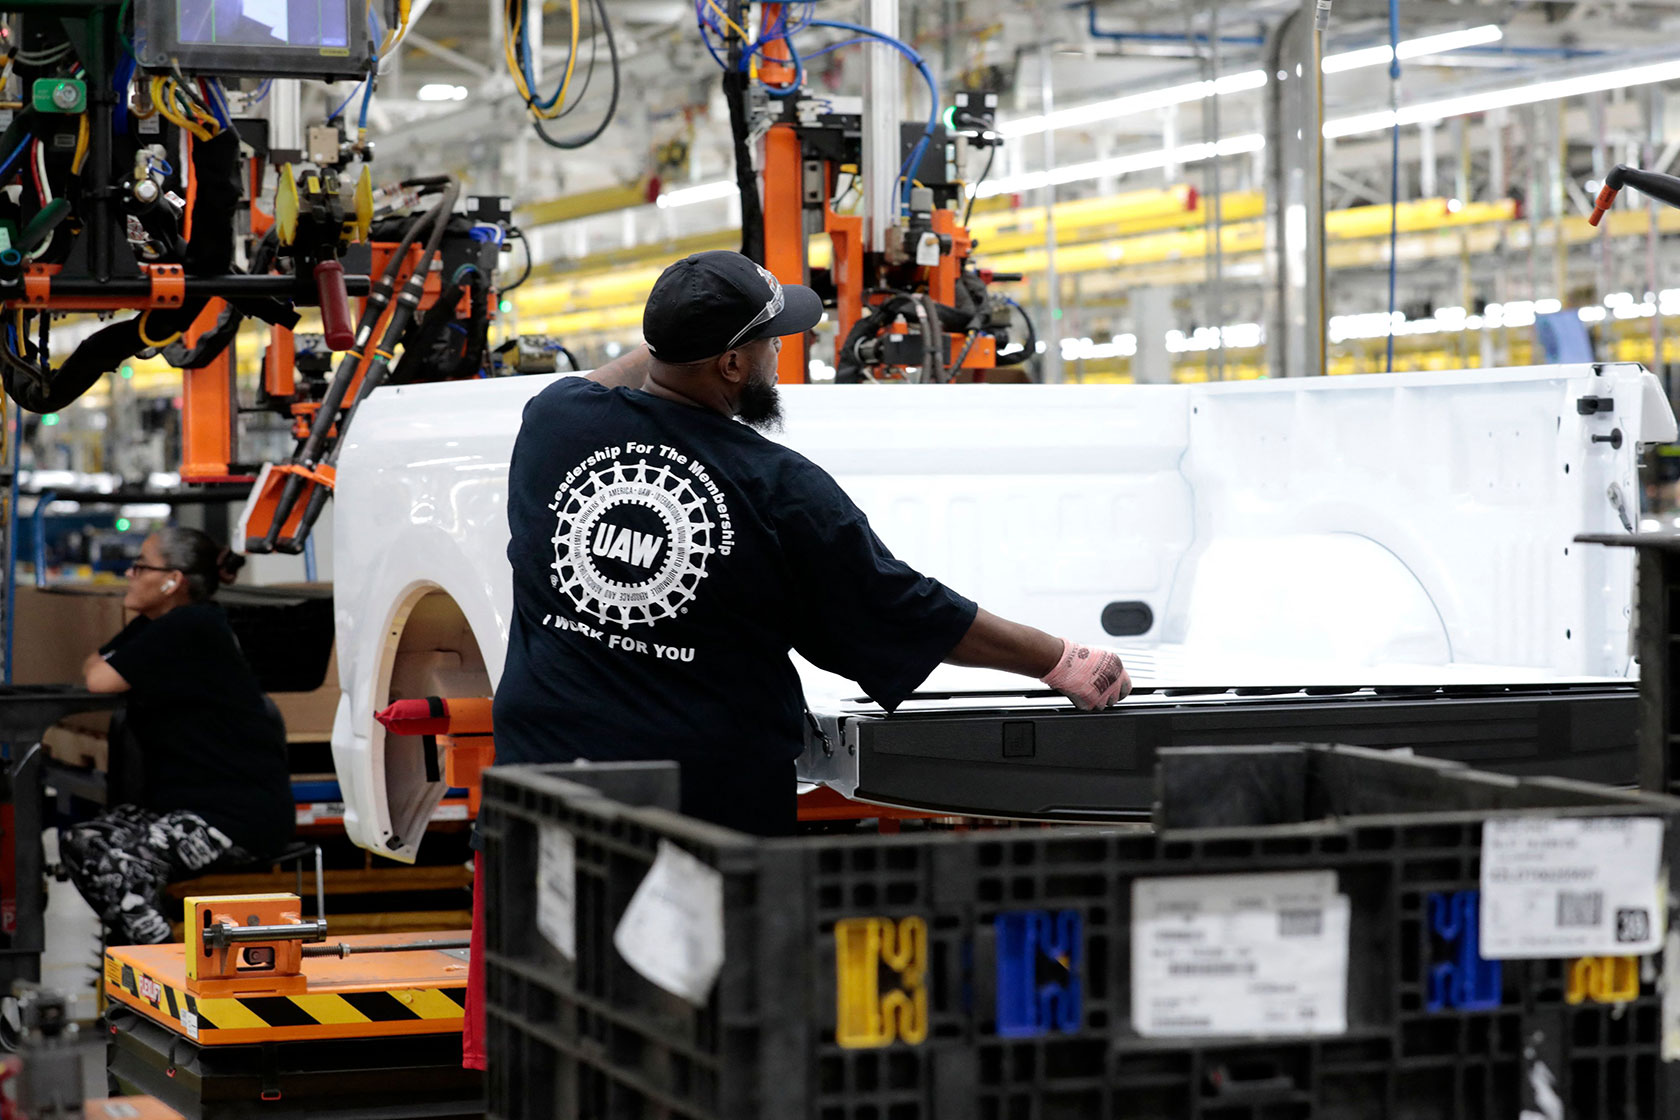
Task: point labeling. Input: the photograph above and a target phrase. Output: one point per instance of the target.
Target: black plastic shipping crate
(989, 975)
(1658, 642)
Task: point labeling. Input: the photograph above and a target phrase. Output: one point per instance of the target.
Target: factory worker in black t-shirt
(666, 557)
(217, 784)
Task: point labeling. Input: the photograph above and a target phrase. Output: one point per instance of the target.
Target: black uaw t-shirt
(665, 560)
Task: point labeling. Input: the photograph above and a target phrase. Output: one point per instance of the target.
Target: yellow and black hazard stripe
(395, 1011)
(144, 991)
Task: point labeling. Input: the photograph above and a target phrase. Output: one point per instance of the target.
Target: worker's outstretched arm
(629, 370)
(1091, 678)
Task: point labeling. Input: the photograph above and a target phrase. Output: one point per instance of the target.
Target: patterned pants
(122, 860)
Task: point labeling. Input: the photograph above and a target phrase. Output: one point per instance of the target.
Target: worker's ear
(732, 366)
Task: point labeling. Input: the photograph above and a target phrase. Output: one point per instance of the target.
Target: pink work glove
(1091, 678)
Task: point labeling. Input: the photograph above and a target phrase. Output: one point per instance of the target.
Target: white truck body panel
(1378, 529)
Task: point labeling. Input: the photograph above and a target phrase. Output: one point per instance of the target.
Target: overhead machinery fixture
(909, 303)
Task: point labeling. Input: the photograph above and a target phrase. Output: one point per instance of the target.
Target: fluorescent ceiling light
(1122, 165)
(701, 192)
(1505, 98)
(1414, 48)
(1133, 104)
(441, 91)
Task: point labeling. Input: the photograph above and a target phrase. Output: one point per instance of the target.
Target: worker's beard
(760, 405)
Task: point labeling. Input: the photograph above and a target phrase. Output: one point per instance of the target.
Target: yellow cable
(510, 31)
(571, 61)
(737, 28)
(395, 34)
(511, 12)
(163, 102)
(174, 106)
(140, 329)
(81, 146)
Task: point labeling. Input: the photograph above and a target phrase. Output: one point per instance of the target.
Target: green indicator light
(127, 372)
(50, 419)
(58, 95)
(506, 305)
(1056, 314)
(949, 116)
(123, 524)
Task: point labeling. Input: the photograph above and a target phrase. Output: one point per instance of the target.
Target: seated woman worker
(217, 783)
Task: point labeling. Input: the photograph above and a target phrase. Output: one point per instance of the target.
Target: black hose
(1028, 351)
(217, 339)
(407, 301)
(752, 210)
(376, 372)
(379, 297)
(43, 391)
(326, 416)
(516, 232)
(571, 143)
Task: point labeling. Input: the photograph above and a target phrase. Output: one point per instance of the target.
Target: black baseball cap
(711, 302)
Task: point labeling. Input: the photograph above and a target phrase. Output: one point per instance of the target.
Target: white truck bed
(1400, 529)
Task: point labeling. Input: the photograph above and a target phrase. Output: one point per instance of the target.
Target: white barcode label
(557, 888)
(1239, 955)
(672, 931)
(1571, 887)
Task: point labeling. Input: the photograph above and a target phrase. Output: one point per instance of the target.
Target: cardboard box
(57, 627)
(309, 715)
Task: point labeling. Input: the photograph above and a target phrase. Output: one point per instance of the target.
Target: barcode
(1576, 909)
(1300, 923)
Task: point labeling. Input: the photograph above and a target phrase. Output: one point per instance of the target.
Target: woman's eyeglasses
(139, 567)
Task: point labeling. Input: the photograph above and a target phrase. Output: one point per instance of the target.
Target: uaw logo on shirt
(636, 526)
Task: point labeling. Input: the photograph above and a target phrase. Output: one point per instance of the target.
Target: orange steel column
(845, 232)
(784, 193)
(279, 373)
(784, 232)
(208, 409)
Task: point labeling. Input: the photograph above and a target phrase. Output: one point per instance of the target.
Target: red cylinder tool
(335, 306)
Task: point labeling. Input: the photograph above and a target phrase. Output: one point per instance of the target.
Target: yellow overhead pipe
(1080, 221)
(602, 319)
(584, 204)
(1001, 230)
(1236, 238)
(606, 284)
(1183, 199)
(1508, 237)
(595, 290)
(663, 252)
